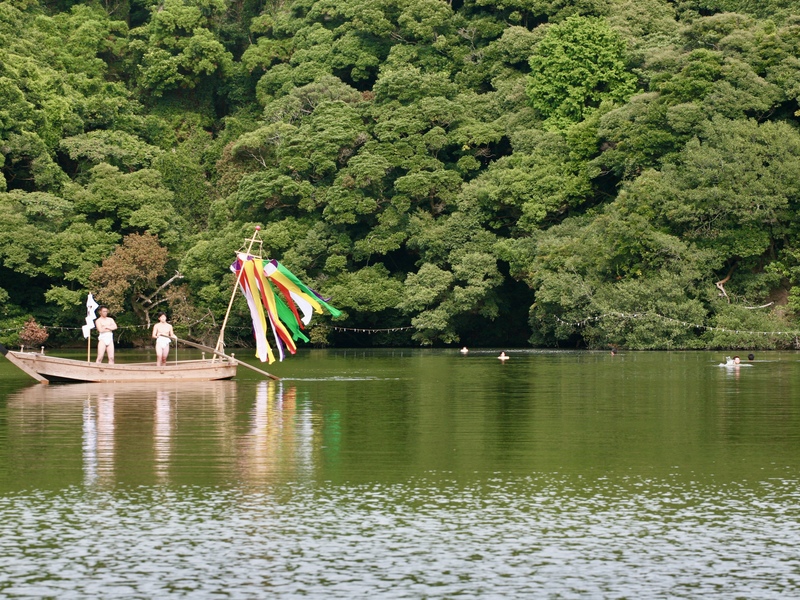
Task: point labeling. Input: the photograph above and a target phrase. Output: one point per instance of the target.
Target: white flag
(91, 306)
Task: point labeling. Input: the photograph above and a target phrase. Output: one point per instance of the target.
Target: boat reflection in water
(98, 438)
(162, 434)
(143, 434)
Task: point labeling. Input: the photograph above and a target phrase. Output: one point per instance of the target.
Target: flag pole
(91, 305)
(220, 341)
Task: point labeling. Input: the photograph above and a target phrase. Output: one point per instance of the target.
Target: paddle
(236, 360)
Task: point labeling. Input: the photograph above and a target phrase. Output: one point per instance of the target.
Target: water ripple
(548, 536)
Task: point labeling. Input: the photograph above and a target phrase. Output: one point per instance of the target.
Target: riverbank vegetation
(594, 173)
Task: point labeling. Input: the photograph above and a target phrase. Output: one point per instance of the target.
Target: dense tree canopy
(590, 173)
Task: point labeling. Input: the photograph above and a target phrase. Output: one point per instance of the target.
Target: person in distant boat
(105, 335)
(163, 334)
(503, 356)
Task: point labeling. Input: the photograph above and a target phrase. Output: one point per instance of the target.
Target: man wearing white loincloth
(163, 334)
(105, 335)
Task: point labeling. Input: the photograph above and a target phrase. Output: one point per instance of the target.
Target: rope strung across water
(59, 328)
(581, 323)
(638, 315)
(335, 328)
(363, 330)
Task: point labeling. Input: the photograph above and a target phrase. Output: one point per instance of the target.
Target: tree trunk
(721, 283)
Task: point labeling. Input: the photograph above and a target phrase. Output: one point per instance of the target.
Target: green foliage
(724, 201)
(591, 270)
(439, 297)
(184, 173)
(644, 24)
(128, 202)
(117, 148)
(554, 10)
(575, 66)
(177, 48)
(760, 8)
(23, 244)
(520, 192)
(371, 289)
(736, 326)
(459, 277)
(429, 163)
(732, 189)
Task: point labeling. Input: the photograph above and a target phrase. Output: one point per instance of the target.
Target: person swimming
(733, 362)
(503, 356)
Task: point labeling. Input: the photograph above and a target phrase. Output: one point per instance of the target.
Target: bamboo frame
(220, 347)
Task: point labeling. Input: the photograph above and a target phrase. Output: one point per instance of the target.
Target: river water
(409, 474)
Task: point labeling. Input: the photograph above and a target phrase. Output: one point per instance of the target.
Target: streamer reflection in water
(280, 436)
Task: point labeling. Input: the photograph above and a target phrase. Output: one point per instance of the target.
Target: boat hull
(52, 368)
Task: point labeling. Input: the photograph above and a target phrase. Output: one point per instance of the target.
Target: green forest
(555, 173)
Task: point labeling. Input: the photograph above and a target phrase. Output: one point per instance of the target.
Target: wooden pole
(220, 341)
(222, 354)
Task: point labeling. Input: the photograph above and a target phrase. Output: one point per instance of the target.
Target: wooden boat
(45, 368)
(222, 366)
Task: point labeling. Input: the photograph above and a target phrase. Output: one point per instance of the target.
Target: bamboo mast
(220, 347)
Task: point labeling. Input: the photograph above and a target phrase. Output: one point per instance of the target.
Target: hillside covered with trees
(550, 172)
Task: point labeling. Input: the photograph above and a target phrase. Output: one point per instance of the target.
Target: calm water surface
(409, 474)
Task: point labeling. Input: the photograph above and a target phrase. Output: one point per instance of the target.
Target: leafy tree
(128, 202)
(589, 269)
(128, 279)
(117, 148)
(458, 276)
(645, 25)
(540, 181)
(534, 11)
(177, 48)
(732, 189)
(576, 65)
(764, 9)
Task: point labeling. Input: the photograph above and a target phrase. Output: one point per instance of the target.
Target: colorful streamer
(276, 296)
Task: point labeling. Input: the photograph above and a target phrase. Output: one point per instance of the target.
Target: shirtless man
(163, 334)
(105, 338)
